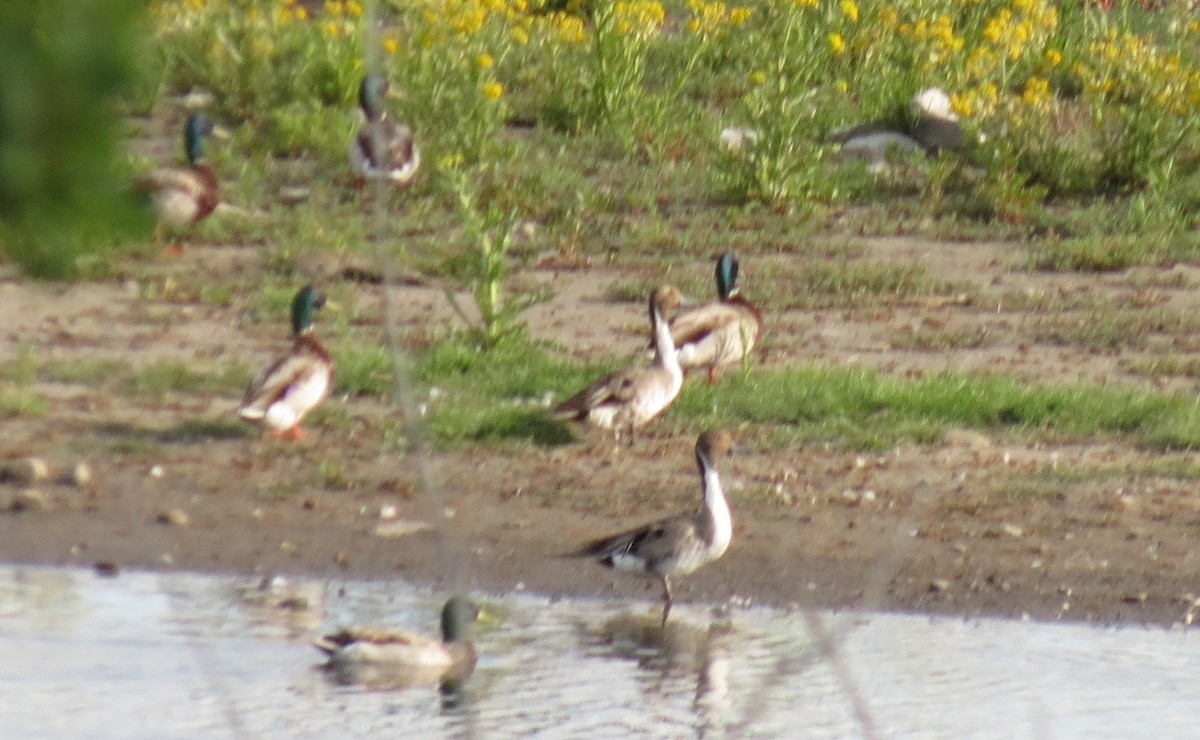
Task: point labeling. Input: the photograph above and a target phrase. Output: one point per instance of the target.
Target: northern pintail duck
(382, 149)
(284, 392)
(629, 398)
(678, 545)
(720, 333)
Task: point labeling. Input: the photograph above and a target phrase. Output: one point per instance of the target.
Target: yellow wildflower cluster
(641, 19)
(1129, 66)
(980, 101)
(1026, 25)
(492, 90)
(711, 18)
(560, 28)
(938, 39)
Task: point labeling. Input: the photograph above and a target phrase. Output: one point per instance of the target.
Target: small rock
(80, 475)
(106, 568)
(174, 517)
(342, 559)
(157, 471)
(1136, 598)
(938, 585)
(400, 528)
(287, 546)
(293, 603)
(1011, 530)
(30, 499)
(25, 471)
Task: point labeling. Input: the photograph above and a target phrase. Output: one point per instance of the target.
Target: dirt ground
(972, 525)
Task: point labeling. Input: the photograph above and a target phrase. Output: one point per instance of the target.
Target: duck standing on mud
(284, 392)
(627, 399)
(678, 545)
(721, 333)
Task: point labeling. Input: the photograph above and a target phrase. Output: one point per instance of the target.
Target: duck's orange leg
(292, 434)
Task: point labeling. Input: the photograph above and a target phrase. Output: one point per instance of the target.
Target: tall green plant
(62, 64)
(485, 267)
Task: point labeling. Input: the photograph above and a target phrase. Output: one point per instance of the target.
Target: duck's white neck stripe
(664, 347)
(718, 507)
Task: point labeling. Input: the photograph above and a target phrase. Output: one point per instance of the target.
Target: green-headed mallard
(281, 395)
(680, 544)
(382, 149)
(629, 398)
(720, 333)
(184, 196)
(414, 658)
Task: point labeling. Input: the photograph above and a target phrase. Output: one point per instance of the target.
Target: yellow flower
(842, 86)
(739, 15)
(1053, 57)
(493, 90)
(390, 44)
(757, 78)
(451, 161)
(332, 29)
(807, 3)
(1037, 91)
(302, 13)
(520, 35)
(335, 7)
(484, 61)
(354, 8)
(837, 43)
(850, 9)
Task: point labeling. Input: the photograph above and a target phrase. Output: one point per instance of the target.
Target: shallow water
(178, 655)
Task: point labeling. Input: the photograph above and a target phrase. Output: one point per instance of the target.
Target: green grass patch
(18, 401)
(179, 376)
(496, 396)
(861, 409)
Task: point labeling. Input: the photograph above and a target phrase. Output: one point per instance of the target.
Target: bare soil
(971, 525)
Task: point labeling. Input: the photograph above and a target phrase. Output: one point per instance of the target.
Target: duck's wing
(695, 324)
(640, 548)
(171, 178)
(336, 641)
(273, 381)
(618, 388)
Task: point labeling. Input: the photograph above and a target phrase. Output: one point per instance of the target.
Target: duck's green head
(195, 129)
(304, 305)
(457, 616)
(727, 271)
(371, 94)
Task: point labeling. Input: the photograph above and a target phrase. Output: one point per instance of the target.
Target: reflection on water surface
(181, 655)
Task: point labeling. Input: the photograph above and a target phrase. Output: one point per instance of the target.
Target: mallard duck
(677, 545)
(184, 196)
(629, 398)
(281, 395)
(421, 659)
(382, 149)
(720, 333)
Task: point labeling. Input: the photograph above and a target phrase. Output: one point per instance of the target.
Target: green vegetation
(497, 396)
(61, 195)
